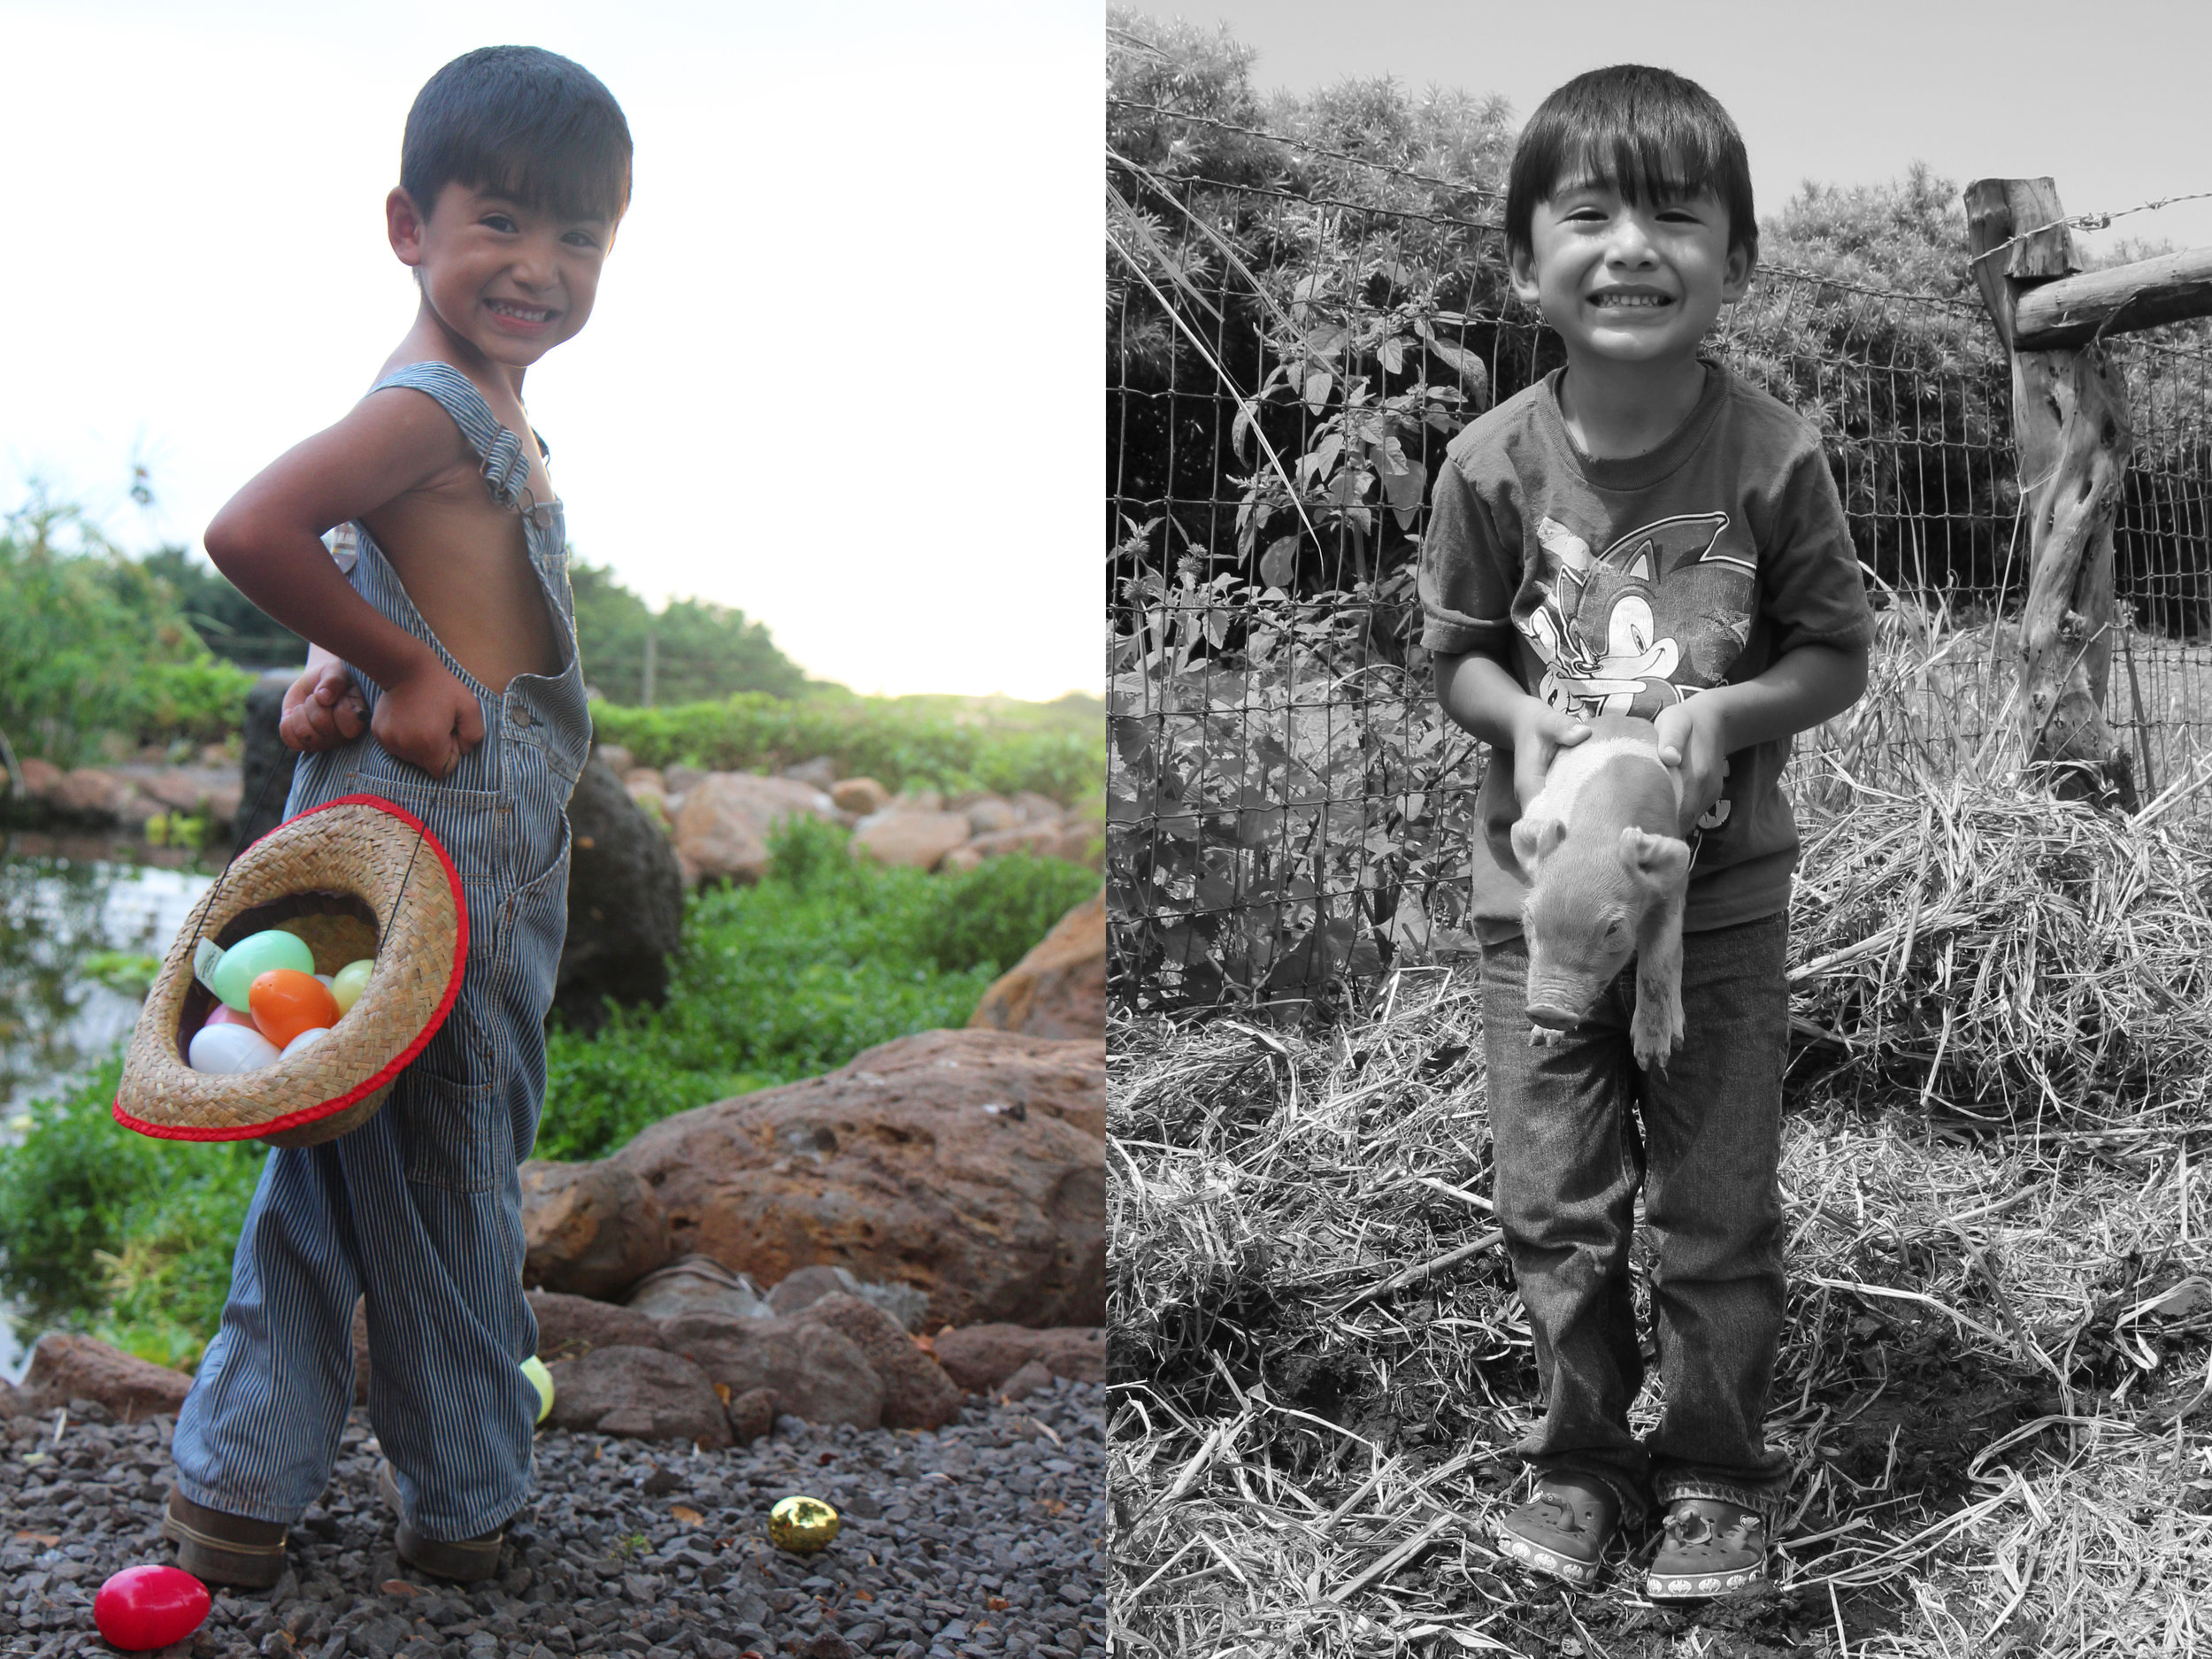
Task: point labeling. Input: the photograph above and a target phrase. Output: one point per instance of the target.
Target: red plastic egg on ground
(286, 1002)
(144, 1608)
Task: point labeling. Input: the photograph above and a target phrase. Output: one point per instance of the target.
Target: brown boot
(1563, 1530)
(467, 1561)
(221, 1549)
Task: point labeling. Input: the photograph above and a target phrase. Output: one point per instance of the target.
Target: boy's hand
(322, 708)
(1692, 740)
(1539, 733)
(428, 718)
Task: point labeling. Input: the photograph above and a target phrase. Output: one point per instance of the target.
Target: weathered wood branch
(2075, 310)
(2071, 426)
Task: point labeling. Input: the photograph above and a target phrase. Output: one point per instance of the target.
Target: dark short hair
(1648, 132)
(523, 121)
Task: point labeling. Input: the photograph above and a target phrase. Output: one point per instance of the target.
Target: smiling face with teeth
(505, 280)
(1630, 283)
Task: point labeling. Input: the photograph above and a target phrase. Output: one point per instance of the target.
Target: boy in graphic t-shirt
(1643, 534)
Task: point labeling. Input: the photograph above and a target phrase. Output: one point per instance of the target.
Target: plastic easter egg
(349, 981)
(541, 1379)
(254, 956)
(224, 1014)
(286, 1002)
(223, 1049)
(307, 1039)
(801, 1525)
(140, 1609)
(326, 980)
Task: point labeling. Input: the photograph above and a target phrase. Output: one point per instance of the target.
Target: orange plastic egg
(286, 1002)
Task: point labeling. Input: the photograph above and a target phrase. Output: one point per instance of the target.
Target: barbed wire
(2091, 222)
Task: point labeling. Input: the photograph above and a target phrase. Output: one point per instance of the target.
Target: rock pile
(718, 821)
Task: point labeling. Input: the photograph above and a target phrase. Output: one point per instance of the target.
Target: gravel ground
(984, 1538)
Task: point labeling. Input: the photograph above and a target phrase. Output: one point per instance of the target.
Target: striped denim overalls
(420, 1208)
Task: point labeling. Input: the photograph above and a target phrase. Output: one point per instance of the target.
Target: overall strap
(506, 464)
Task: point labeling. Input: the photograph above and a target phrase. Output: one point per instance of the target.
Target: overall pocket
(452, 1100)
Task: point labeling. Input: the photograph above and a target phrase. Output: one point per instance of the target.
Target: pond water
(63, 898)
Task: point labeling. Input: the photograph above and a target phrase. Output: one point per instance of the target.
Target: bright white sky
(843, 369)
(2108, 100)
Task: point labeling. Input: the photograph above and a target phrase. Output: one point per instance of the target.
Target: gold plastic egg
(801, 1525)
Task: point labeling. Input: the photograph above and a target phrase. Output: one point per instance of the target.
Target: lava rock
(589, 1229)
(917, 1392)
(626, 902)
(639, 1392)
(913, 1164)
(815, 1371)
(65, 1368)
(982, 1357)
(572, 1326)
(1059, 988)
(266, 774)
(696, 1284)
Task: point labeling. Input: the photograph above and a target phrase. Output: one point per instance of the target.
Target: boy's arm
(1479, 694)
(1799, 690)
(267, 539)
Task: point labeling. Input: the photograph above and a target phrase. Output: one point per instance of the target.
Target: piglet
(1606, 875)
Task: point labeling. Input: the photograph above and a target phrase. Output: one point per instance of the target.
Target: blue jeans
(1577, 1128)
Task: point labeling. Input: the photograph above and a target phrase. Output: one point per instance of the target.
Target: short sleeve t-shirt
(1624, 586)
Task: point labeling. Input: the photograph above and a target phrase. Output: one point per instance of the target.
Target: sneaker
(465, 1561)
(222, 1548)
(1562, 1531)
(1711, 1549)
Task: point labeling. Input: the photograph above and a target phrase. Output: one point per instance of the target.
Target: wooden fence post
(2071, 431)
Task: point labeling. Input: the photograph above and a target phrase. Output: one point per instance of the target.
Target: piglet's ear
(1534, 840)
(1659, 861)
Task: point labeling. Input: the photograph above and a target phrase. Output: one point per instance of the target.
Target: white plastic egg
(222, 1049)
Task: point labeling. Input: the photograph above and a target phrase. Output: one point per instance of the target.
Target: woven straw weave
(332, 875)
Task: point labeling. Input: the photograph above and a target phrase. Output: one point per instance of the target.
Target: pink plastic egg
(225, 1014)
(144, 1607)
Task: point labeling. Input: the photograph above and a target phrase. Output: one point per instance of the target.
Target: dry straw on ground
(1996, 1381)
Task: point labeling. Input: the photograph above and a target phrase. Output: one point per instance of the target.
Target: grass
(828, 955)
(131, 1239)
(1997, 1367)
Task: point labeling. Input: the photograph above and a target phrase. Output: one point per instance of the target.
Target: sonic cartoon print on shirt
(1653, 620)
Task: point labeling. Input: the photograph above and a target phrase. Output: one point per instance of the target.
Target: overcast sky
(843, 368)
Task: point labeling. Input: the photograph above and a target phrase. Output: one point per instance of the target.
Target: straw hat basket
(355, 877)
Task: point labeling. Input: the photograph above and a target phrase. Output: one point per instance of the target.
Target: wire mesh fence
(1285, 364)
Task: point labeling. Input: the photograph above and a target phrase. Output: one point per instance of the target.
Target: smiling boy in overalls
(443, 677)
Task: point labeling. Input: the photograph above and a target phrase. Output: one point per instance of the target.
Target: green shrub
(992, 914)
(109, 1231)
(828, 955)
(202, 702)
(865, 736)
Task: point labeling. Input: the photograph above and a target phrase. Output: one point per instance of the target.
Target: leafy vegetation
(701, 652)
(92, 642)
(131, 1239)
(865, 736)
(828, 955)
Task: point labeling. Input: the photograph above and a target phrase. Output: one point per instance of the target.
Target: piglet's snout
(1558, 1002)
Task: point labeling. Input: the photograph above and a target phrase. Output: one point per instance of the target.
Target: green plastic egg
(254, 956)
(541, 1379)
